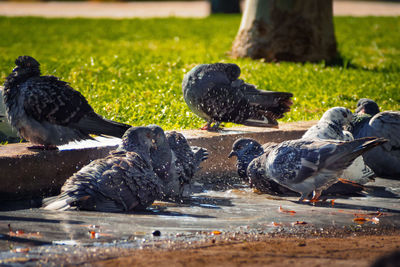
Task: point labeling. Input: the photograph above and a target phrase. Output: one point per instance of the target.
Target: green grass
(131, 70)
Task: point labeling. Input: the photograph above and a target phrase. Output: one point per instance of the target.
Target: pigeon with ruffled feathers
(250, 165)
(175, 162)
(214, 93)
(48, 112)
(122, 181)
(331, 127)
(369, 121)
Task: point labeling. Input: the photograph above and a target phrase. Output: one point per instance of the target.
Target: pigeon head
(231, 70)
(245, 149)
(160, 153)
(338, 115)
(26, 65)
(27, 62)
(158, 134)
(137, 139)
(367, 106)
(176, 139)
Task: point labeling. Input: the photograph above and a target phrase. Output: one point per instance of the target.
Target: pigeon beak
(233, 153)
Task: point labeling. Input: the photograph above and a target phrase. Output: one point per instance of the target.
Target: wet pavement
(29, 236)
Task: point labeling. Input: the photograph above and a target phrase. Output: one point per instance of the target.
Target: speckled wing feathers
(187, 161)
(115, 183)
(49, 99)
(214, 92)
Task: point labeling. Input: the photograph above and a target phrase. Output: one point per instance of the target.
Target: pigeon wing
(387, 124)
(185, 158)
(111, 184)
(46, 98)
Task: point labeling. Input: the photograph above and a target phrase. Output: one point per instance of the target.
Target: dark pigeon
(175, 162)
(47, 111)
(368, 121)
(251, 157)
(122, 181)
(304, 166)
(214, 93)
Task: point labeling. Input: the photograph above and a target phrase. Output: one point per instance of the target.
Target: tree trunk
(286, 30)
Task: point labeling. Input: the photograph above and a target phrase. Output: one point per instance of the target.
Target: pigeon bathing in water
(122, 181)
(251, 165)
(305, 166)
(368, 121)
(331, 127)
(175, 162)
(47, 111)
(214, 93)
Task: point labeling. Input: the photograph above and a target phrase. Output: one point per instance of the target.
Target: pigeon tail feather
(95, 124)
(360, 146)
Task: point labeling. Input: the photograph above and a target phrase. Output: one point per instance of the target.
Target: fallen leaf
(216, 232)
(285, 210)
(299, 223)
(21, 250)
(360, 220)
(93, 234)
(276, 224)
(333, 202)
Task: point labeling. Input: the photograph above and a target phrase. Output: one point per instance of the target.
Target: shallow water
(45, 233)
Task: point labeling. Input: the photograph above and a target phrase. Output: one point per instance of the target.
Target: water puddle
(27, 234)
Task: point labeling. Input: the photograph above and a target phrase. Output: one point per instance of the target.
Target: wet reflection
(212, 206)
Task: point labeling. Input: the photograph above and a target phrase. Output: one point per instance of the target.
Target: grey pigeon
(122, 181)
(251, 162)
(214, 93)
(331, 127)
(251, 157)
(175, 162)
(305, 166)
(47, 111)
(331, 124)
(368, 121)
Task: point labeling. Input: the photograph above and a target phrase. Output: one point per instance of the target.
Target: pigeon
(122, 181)
(48, 112)
(175, 162)
(251, 165)
(368, 121)
(305, 166)
(331, 127)
(214, 93)
(251, 159)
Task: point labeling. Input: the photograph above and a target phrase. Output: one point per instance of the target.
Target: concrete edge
(27, 174)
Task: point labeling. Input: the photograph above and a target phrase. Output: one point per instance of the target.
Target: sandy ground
(272, 251)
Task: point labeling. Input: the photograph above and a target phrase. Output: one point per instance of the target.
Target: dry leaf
(299, 223)
(285, 210)
(21, 250)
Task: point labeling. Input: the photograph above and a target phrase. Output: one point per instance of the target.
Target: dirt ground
(349, 250)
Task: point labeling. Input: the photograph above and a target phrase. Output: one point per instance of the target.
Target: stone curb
(28, 174)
